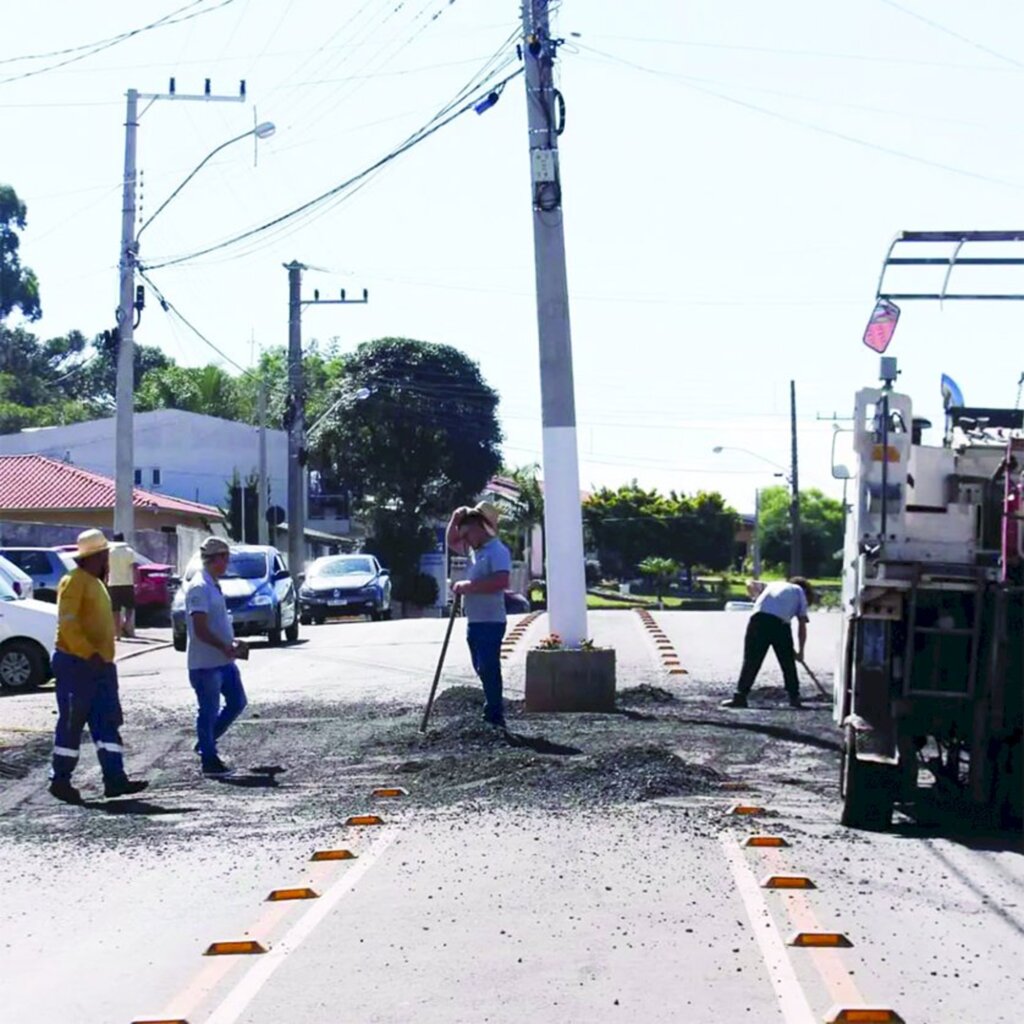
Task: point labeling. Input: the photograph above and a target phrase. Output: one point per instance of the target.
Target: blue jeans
(86, 695)
(484, 639)
(212, 721)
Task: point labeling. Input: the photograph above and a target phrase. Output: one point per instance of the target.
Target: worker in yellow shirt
(86, 675)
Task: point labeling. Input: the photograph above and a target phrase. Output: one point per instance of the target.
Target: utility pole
(563, 519)
(796, 547)
(261, 496)
(129, 304)
(295, 412)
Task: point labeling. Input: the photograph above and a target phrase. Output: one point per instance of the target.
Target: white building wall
(195, 456)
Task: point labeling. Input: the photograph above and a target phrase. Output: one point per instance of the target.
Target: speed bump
(161, 1020)
(678, 672)
(747, 809)
(821, 940)
(862, 1015)
(304, 893)
(333, 855)
(389, 792)
(788, 882)
(771, 841)
(364, 819)
(234, 948)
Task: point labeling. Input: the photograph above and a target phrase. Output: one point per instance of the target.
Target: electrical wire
(415, 139)
(77, 53)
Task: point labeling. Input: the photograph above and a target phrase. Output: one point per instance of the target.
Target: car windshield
(6, 593)
(67, 561)
(247, 565)
(344, 567)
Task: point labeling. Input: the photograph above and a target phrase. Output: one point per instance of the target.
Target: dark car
(258, 591)
(345, 585)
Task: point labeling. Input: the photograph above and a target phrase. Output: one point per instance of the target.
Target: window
(156, 477)
(35, 563)
(138, 477)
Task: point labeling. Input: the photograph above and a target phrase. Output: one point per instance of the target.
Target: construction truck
(929, 689)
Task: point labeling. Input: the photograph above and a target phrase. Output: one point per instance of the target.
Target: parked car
(516, 604)
(28, 630)
(44, 566)
(152, 584)
(343, 585)
(20, 582)
(258, 591)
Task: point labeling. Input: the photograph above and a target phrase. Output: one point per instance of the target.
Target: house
(40, 490)
(177, 453)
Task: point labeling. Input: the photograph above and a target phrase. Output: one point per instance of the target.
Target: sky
(732, 176)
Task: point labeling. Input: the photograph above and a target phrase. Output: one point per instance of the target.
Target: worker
(474, 532)
(121, 585)
(775, 607)
(212, 653)
(83, 663)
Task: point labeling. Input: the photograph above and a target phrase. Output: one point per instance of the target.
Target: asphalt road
(590, 872)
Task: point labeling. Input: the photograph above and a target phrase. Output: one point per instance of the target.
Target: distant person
(775, 607)
(83, 662)
(121, 585)
(474, 531)
(212, 650)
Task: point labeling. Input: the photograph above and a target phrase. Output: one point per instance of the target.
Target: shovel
(440, 662)
(814, 679)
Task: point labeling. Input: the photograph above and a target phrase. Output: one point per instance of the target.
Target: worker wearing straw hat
(474, 531)
(83, 663)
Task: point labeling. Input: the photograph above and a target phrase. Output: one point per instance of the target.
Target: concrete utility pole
(796, 546)
(563, 518)
(295, 414)
(129, 304)
(261, 497)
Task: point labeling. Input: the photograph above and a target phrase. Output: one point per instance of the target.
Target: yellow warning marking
(234, 948)
(390, 791)
(862, 1015)
(745, 809)
(766, 841)
(333, 855)
(817, 940)
(305, 893)
(788, 882)
(364, 819)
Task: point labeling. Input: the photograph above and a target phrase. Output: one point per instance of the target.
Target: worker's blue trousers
(86, 695)
(484, 639)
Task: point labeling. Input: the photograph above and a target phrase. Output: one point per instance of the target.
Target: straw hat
(488, 514)
(90, 542)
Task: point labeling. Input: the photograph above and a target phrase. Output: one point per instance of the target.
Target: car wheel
(305, 619)
(292, 632)
(376, 615)
(274, 635)
(180, 640)
(320, 620)
(22, 665)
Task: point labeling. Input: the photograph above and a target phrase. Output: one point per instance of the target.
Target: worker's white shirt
(122, 566)
(783, 600)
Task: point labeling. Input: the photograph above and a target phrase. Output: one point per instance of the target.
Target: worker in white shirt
(121, 585)
(776, 606)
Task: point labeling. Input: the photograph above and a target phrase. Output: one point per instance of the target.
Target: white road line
(792, 1001)
(256, 977)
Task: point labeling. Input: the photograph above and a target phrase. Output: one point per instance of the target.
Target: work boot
(214, 767)
(737, 700)
(65, 791)
(124, 787)
(797, 704)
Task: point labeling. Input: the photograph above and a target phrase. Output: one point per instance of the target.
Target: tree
(519, 515)
(19, 287)
(662, 571)
(821, 530)
(202, 389)
(425, 440)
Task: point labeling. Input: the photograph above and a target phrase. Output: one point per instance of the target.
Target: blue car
(259, 593)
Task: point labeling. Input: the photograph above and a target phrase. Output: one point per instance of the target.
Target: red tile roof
(30, 482)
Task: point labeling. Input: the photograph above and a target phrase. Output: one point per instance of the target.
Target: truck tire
(868, 789)
(22, 665)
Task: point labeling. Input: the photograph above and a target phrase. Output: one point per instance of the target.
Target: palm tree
(662, 570)
(526, 510)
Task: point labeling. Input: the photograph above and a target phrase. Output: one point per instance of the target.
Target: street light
(780, 472)
(130, 303)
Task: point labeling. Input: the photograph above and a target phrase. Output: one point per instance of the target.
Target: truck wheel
(22, 665)
(868, 789)
(180, 640)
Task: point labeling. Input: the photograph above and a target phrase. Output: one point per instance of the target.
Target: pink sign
(882, 325)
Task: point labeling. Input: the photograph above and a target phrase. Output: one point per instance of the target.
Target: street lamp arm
(261, 131)
(719, 448)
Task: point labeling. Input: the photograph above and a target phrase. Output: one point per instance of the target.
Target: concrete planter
(570, 680)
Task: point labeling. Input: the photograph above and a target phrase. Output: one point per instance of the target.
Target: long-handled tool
(440, 662)
(814, 679)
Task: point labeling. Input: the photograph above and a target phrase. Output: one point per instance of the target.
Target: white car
(19, 581)
(28, 630)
